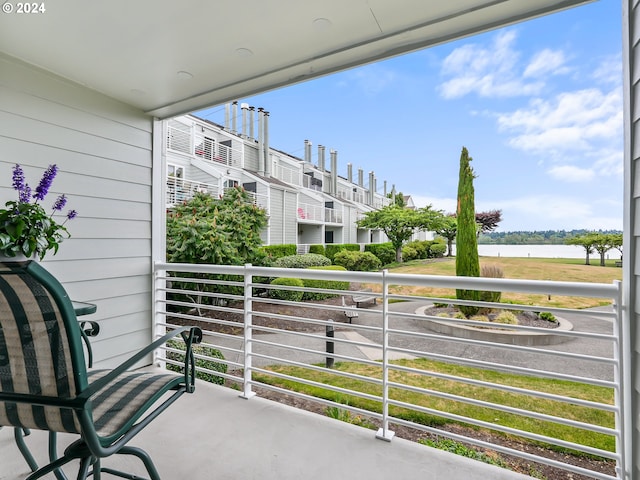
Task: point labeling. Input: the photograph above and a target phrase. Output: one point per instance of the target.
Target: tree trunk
(399, 254)
(587, 260)
(449, 247)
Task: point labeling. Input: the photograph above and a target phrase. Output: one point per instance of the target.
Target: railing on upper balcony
(308, 211)
(286, 174)
(180, 190)
(183, 139)
(333, 215)
(438, 353)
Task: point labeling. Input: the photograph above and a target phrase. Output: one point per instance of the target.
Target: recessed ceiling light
(322, 24)
(243, 52)
(183, 75)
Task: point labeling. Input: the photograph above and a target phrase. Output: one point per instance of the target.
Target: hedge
(332, 248)
(302, 261)
(325, 284)
(202, 363)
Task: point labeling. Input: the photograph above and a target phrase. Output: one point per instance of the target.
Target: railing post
(384, 433)
(622, 331)
(330, 345)
(159, 314)
(248, 332)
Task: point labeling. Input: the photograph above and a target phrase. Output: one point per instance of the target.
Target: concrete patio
(214, 434)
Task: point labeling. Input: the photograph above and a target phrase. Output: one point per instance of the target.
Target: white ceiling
(173, 57)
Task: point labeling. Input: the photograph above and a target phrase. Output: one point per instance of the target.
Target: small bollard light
(330, 333)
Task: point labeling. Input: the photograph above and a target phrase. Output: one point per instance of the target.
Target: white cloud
(489, 71)
(546, 62)
(571, 173)
(573, 121)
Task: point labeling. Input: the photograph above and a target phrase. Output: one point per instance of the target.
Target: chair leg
(19, 434)
(53, 455)
(143, 456)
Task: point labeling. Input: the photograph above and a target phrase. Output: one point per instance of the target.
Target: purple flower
(60, 202)
(25, 194)
(72, 214)
(45, 182)
(18, 178)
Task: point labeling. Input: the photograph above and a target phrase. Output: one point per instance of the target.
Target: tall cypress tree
(467, 261)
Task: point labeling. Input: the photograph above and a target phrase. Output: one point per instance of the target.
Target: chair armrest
(194, 336)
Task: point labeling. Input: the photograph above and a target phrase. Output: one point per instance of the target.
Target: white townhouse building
(306, 203)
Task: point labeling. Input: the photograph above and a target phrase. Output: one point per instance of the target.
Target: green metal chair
(45, 385)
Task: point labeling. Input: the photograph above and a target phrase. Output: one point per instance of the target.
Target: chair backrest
(41, 352)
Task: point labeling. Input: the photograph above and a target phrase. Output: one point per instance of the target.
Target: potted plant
(26, 228)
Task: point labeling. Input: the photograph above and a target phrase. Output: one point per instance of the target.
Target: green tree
(467, 260)
(400, 223)
(616, 242)
(221, 231)
(448, 231)
(587, 241)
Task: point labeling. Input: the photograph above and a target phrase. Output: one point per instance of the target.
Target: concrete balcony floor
(214, 434)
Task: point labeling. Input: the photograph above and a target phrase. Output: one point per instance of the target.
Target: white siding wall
(103, 151)
(631, 286)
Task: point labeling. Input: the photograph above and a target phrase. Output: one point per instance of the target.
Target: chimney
(333, 185)
(260, 141)
(244, 107)
(385, 188)
(267, 157)
(350, 172)
(372, 186)
(234, 117)
(360, 177)
(227, 109)
(251, 122)
(307, 151)
(321, 158)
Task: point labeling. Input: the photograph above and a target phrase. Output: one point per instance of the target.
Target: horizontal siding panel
(34, 131)
(28, 154)
(102, 291)
(27, 106)
(106, 228)
(71, 271)
(100, 248)
(112, 351)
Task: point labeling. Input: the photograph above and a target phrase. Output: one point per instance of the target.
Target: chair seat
(125, 399)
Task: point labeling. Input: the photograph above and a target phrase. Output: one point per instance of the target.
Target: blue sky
(537, 104)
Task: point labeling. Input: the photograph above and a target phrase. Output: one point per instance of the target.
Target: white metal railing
(180, 190)
(179, 138)
(398, 326)
(309, 211)
(286, 174)
(214, 151)
(333, 215)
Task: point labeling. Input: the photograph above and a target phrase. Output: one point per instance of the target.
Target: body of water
(540, 251)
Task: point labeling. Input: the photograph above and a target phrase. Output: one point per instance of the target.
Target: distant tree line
(545, 237)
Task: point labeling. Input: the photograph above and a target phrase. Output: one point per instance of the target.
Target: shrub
(420, 246)
(480, 318)
(274, 252)
(358, 261)
(302, 261)
(409, 253)
(202, 363)
(548, 316)
(324, 284)
(290, 295)
(506, 317)
(384, 251)
(318, 249)
(436, 250)
(491, 271)
(333, 248)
